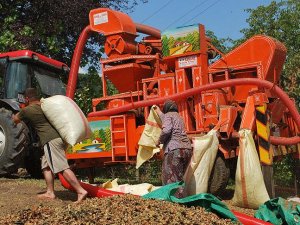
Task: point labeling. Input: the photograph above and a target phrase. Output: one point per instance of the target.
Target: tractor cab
(20, 70)
(23, 69)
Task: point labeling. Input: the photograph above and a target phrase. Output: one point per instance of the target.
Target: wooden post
(267, 171)
(297, 170)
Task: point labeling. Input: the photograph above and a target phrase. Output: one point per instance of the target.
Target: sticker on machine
(100, 18)
(187, 61)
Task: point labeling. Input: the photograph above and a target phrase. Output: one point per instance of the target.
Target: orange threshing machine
(236, 90)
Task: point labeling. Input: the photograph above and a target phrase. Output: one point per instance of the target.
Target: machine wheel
(13, 143)
(219, 177)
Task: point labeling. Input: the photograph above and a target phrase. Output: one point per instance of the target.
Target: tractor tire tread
(15, 143)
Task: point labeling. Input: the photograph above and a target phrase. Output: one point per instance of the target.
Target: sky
(224, 17)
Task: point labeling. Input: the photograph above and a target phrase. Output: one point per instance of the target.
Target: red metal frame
(27, 54)
(207, 95)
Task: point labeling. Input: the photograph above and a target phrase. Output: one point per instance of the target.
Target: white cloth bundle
(149, 138)
(198, 172)
(67, 118)
(250, 190)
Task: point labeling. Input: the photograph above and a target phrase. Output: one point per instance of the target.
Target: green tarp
(279, 211)
(205, 200)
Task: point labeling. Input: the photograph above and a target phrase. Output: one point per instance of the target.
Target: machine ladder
(118, 136)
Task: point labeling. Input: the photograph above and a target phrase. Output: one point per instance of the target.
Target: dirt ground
(19, 193)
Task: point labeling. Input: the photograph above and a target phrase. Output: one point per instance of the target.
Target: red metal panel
(259, 50)
(248, 117)
(197, 82)
(227, 118)
(125, 76)
(108, 22)
(166, 86)
(211, 102)
(209, 110)
(115, 103)
(180, 80)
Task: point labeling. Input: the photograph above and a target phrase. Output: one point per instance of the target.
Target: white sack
(198, 172)
(135, 189)
(149, 138)
(250, 190)
(67, 118)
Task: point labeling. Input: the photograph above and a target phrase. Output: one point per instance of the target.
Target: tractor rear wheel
(13, 143)
(219, 177)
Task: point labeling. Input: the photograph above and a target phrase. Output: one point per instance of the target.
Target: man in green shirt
(54, 160)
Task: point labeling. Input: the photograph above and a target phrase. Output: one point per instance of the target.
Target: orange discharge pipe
(85, 34)
(221, 84)
(142, 28)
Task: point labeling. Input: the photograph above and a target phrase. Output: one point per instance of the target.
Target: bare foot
(81, 196)
(46, 196)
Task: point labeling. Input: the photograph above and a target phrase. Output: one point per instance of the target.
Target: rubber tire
(219, 177)
(12, 154)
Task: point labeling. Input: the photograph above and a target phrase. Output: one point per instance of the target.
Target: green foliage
(223, 44)
(149, 172)
(281, 21)
(284, 171)
(89, 86)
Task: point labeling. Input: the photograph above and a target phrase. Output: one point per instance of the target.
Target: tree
(223, 44)
(52, 27)
(281, 21)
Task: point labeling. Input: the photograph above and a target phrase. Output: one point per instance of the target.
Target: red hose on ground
(228, 83)
(99, 192)
(93, 191)
(249, 220)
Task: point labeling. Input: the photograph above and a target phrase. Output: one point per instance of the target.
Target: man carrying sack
(54, 160)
